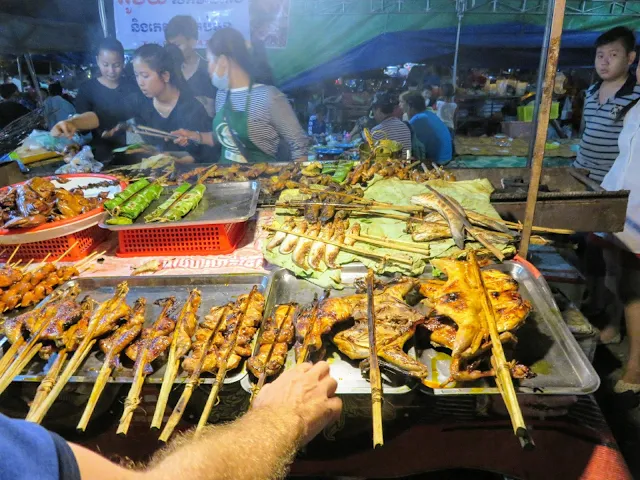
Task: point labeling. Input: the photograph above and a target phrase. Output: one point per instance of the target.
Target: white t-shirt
(624, 175)
(447, 112)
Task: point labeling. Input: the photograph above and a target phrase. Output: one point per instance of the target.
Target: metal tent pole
(544, 54)
(460, 11)
(555, 34)
(34, 78)
(19, 72)
(102, 12)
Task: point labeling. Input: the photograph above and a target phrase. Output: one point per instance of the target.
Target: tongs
(132, 126)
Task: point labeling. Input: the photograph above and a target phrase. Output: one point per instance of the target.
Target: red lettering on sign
(141, 2)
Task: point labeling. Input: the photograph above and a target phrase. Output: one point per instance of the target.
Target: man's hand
(308, 391)
(65, 128)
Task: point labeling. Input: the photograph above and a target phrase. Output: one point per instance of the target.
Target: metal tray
(216, 290)
(545, 342)
(231, 202)
(285, 288)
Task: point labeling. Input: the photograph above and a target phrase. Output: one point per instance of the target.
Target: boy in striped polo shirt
(606, 101)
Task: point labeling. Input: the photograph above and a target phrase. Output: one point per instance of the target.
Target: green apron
(232, 128)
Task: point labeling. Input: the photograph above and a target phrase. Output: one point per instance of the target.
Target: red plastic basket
(87, 240)
(216, 239)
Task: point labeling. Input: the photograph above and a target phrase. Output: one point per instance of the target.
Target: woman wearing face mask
(102, 97)
(251, 119)
(167, 103)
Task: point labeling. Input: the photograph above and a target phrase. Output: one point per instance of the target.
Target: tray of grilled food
(148, 205)
(427, 336)
(126, 317)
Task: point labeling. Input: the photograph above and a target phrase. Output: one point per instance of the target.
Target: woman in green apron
(252, 119)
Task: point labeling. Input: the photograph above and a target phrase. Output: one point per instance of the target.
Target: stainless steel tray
(231, 202)
(285, 288)
(216, 290)
(545, 342)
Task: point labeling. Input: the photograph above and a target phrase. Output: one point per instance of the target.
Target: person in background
(317, 123)
(427, 93)
(251, 118)
(10, 107)
(446, 108)
(605, 100)
(56, 108)
(428, 128)
(622, 253)
(291, 410)
(388, 126)
(167, 105)
(105, 97)
(182, 31)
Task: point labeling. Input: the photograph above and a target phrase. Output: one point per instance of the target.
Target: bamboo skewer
(192, 382)
(78, 357)
(66, 252)
(8, 357)
(359, 251)
(89, 259)
(500, 364)
(15, 250)
(304, 352)
(24, 269)
(263, 375)
(17, 367)
(375, 379)
(222, 367)
(101, 381)
(15, 265)
(48, 382)
(171, 372)
(133, 397)
(393, 244)
(346, 206)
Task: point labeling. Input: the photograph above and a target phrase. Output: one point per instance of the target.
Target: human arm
(286, 415)
(286, 123)
(83, 121)
(205, 138)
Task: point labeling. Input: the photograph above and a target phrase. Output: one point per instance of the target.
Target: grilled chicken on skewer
(152, 343)
(180, 346)
(112, 347)
(103, 320)
(276, 338)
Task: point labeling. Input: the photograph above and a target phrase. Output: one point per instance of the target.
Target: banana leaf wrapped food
(119, 221)
(187, 202)
(166, 205)
(126, 194)
(137, 204)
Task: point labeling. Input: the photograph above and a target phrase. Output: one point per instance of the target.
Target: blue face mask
(220, 82)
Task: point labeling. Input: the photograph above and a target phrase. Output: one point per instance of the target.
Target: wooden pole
(543, 123)
(375, 379)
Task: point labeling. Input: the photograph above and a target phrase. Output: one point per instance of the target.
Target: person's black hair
(55, 89)
(111, 44)
(621, 34)
(414, 100)
(321, 109)
(184, 25)
(385, 102)
(448, 90)
(8, 90)
(230, 43)
(164, 59)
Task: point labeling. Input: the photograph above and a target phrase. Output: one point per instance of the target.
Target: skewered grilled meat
(456, 226)
(303, 246)
(124, 335)
(155, 339)
(275, 340)
(291, 240)
(187, 323)
(9, 276)
(206, 328)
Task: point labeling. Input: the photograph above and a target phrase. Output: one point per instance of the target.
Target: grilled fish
(456, 225)
(303, 246)
(318, 247)
(279, 237)
(291, 240)
(331, 251)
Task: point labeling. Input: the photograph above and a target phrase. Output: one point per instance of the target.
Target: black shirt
(188, 114)
(108, 104)
(10, 111)
(200, 82)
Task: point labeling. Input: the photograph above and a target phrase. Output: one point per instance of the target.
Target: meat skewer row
(103, 320)
(153, 342)
(180, 346)
(112, 347)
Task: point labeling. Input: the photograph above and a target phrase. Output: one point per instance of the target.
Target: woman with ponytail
(251, 119)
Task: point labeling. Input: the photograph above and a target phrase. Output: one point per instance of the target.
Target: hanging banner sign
(144, 21)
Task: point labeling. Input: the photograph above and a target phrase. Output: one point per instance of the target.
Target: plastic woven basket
(215, 239)
(87, 239)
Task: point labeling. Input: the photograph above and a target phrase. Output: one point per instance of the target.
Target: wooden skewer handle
(211, 399)
(177, 413)
(48, 382)
(133, 398)
(98, 387)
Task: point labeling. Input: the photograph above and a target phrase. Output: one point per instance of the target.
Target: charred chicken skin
(275, 340)
(124, 335)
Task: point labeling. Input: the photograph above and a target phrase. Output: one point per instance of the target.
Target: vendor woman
(251, 119)
(167, 104)
(103, 95)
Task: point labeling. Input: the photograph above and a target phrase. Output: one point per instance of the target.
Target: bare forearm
(261, 444)
(86, 121)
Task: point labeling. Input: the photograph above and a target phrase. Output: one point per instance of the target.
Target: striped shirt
(270, 119)
(394, 129)
(603, 124)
